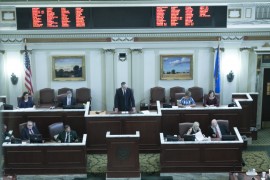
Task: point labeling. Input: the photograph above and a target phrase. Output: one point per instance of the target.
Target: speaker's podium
(123, 156)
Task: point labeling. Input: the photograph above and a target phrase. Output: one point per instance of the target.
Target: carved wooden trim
(59, 40)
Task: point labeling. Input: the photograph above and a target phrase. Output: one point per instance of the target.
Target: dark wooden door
(266, 96)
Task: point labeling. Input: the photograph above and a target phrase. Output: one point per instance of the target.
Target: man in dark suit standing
(68, 100)
(29, 129)
(216, 130)
(67, 136)
(124, 99)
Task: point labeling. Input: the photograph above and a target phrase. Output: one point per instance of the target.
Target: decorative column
(109, 79)
(137, 76)
(244, 76)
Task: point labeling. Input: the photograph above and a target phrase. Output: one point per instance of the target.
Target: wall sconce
(14, 79)
(230, 76)
(122, 56)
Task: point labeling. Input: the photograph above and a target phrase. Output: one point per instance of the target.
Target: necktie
(67, 139)
(31, 131)
(217, 133)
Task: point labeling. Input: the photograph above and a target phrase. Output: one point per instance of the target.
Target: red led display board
(121, 17)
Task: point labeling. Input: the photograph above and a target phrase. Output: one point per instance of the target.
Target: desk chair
(55, 129)
(184, 127)
(157, 94)
(173, 91)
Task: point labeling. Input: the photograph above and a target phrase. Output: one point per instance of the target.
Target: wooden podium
(123, 156)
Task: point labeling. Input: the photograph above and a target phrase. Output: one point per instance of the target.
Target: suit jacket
(25, 132)
(62, 136)
(28, 104)
(222, 128)
(124, 102)
(64, 102)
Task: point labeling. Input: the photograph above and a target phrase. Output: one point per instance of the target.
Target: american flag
(28, 72)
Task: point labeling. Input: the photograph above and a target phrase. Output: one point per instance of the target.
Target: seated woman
(211, 99)
(194, 129)
(25, 101)
(187, 100)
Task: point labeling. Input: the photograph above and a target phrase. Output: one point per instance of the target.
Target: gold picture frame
(176, 67)
(68, 68)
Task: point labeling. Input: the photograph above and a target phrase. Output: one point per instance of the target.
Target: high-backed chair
(23, 125)
(55, 129)
(156, 94)
(173, 91)
(196, 93)
(46, 97)
(83, 95)
(178, 96)
(61, 94)
(64, 90)
(184, 127)
(224, 123)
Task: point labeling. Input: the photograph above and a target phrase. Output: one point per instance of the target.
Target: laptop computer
(171, 138)
(35, 138)
(228, 137)
(189, 137)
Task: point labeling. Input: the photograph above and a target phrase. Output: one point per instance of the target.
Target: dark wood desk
(43, 117)
(244, 176)
(201, 156)
(172, 117)
(148, 125)
(45, 158)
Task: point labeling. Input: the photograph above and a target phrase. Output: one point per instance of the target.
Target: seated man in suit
(7, 136)
(68, 100)
(124, 99)
(29, 129)
(68, 135)
(216, 131)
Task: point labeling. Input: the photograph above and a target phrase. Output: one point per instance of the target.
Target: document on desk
(199, 136)
(146, 112)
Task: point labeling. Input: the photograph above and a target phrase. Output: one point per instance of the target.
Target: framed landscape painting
(68, 68)
(176, 67)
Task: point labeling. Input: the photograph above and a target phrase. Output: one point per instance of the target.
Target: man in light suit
(124, 99)
(67, 136)
(29, 129)
(69, 100)
(216, 130)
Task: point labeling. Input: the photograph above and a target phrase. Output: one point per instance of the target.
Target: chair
(64, 90)
(55, 129)
(46, 97)
(183, 128)
(173, 91)
(83, 95)
(61, 94)
(23, 125)
(224, 123)
(156, 94)
(178, 96)
(196, 93)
